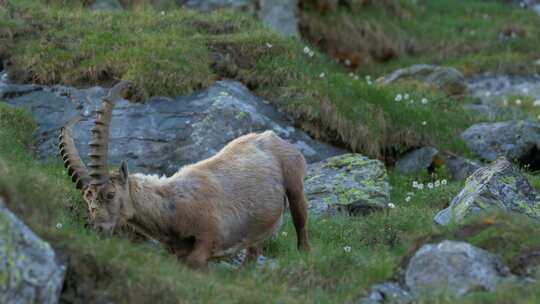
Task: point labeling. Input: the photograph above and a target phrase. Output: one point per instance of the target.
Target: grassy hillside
(471, 35)
(179, 51)
(125, 272)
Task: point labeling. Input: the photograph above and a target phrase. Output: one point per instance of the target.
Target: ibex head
(106, 194)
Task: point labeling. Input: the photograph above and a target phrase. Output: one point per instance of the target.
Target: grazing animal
(210, 209)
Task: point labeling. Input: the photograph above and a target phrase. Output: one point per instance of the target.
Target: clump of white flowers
(59, 225)
(347, 249)
(368, 80)
(399, 97)
(269, 45)
(430, 185)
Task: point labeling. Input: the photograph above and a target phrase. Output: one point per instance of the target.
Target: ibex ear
(123, 172)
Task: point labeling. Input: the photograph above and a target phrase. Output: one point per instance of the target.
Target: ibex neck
(149, 206)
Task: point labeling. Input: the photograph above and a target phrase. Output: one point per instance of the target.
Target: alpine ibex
(211, 209)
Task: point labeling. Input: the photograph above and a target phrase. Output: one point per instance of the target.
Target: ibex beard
(212, 209)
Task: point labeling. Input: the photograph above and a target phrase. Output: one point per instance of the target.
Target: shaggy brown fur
(211, 209)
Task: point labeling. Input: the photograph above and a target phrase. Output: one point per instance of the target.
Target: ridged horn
(99, 144)
(72, 161)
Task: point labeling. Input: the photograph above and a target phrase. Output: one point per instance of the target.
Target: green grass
(181, 51)
(465, 34)
(125, 272)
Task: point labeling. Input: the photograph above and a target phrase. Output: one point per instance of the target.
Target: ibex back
(211, 209)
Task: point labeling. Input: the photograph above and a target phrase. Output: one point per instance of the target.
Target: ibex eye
(110, 195)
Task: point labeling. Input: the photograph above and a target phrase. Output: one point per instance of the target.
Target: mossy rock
(349, 182)
(29, 270)
(499, 185)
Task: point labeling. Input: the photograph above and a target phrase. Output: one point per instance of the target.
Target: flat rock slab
(499, 185)
(162, 134)
(352, 182)
(447, 79)
(29, 270)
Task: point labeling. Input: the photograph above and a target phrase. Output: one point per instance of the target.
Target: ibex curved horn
(72, 161)
(99, 143)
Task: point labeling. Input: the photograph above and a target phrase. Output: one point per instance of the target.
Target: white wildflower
(424, 101)
(347, 62)
(351, 74)
(505, 102)
(391, 206)
(420, 186)
(408, 199)
(322, 75)
(269, 45)
(347, 249)
(444, 182)
(356, 77)
(415, 184)
(306, 50)
(162, 13)
(59, 226)
(284, 233)
(518, 102)
(430, 185)
(311, 53)
(398, 97)
(424, 123)
(437, 183)
(406, 96)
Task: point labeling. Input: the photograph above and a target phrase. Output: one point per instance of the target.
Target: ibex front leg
(202, 251)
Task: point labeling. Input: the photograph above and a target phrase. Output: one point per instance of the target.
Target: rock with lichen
(350, 182)
(161, 134)
(499, 185)
(29, 269)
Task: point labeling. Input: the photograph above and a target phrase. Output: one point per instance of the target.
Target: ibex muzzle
(211, 209)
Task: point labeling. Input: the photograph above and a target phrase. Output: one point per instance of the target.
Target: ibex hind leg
(298, 206)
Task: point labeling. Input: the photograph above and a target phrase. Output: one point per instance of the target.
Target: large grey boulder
(447, 268)
(499, 185)
(448, 79)
(519, 141)
(278, 15)
(29, 269)
(162, 134)
(453, 268)
(349, 182)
